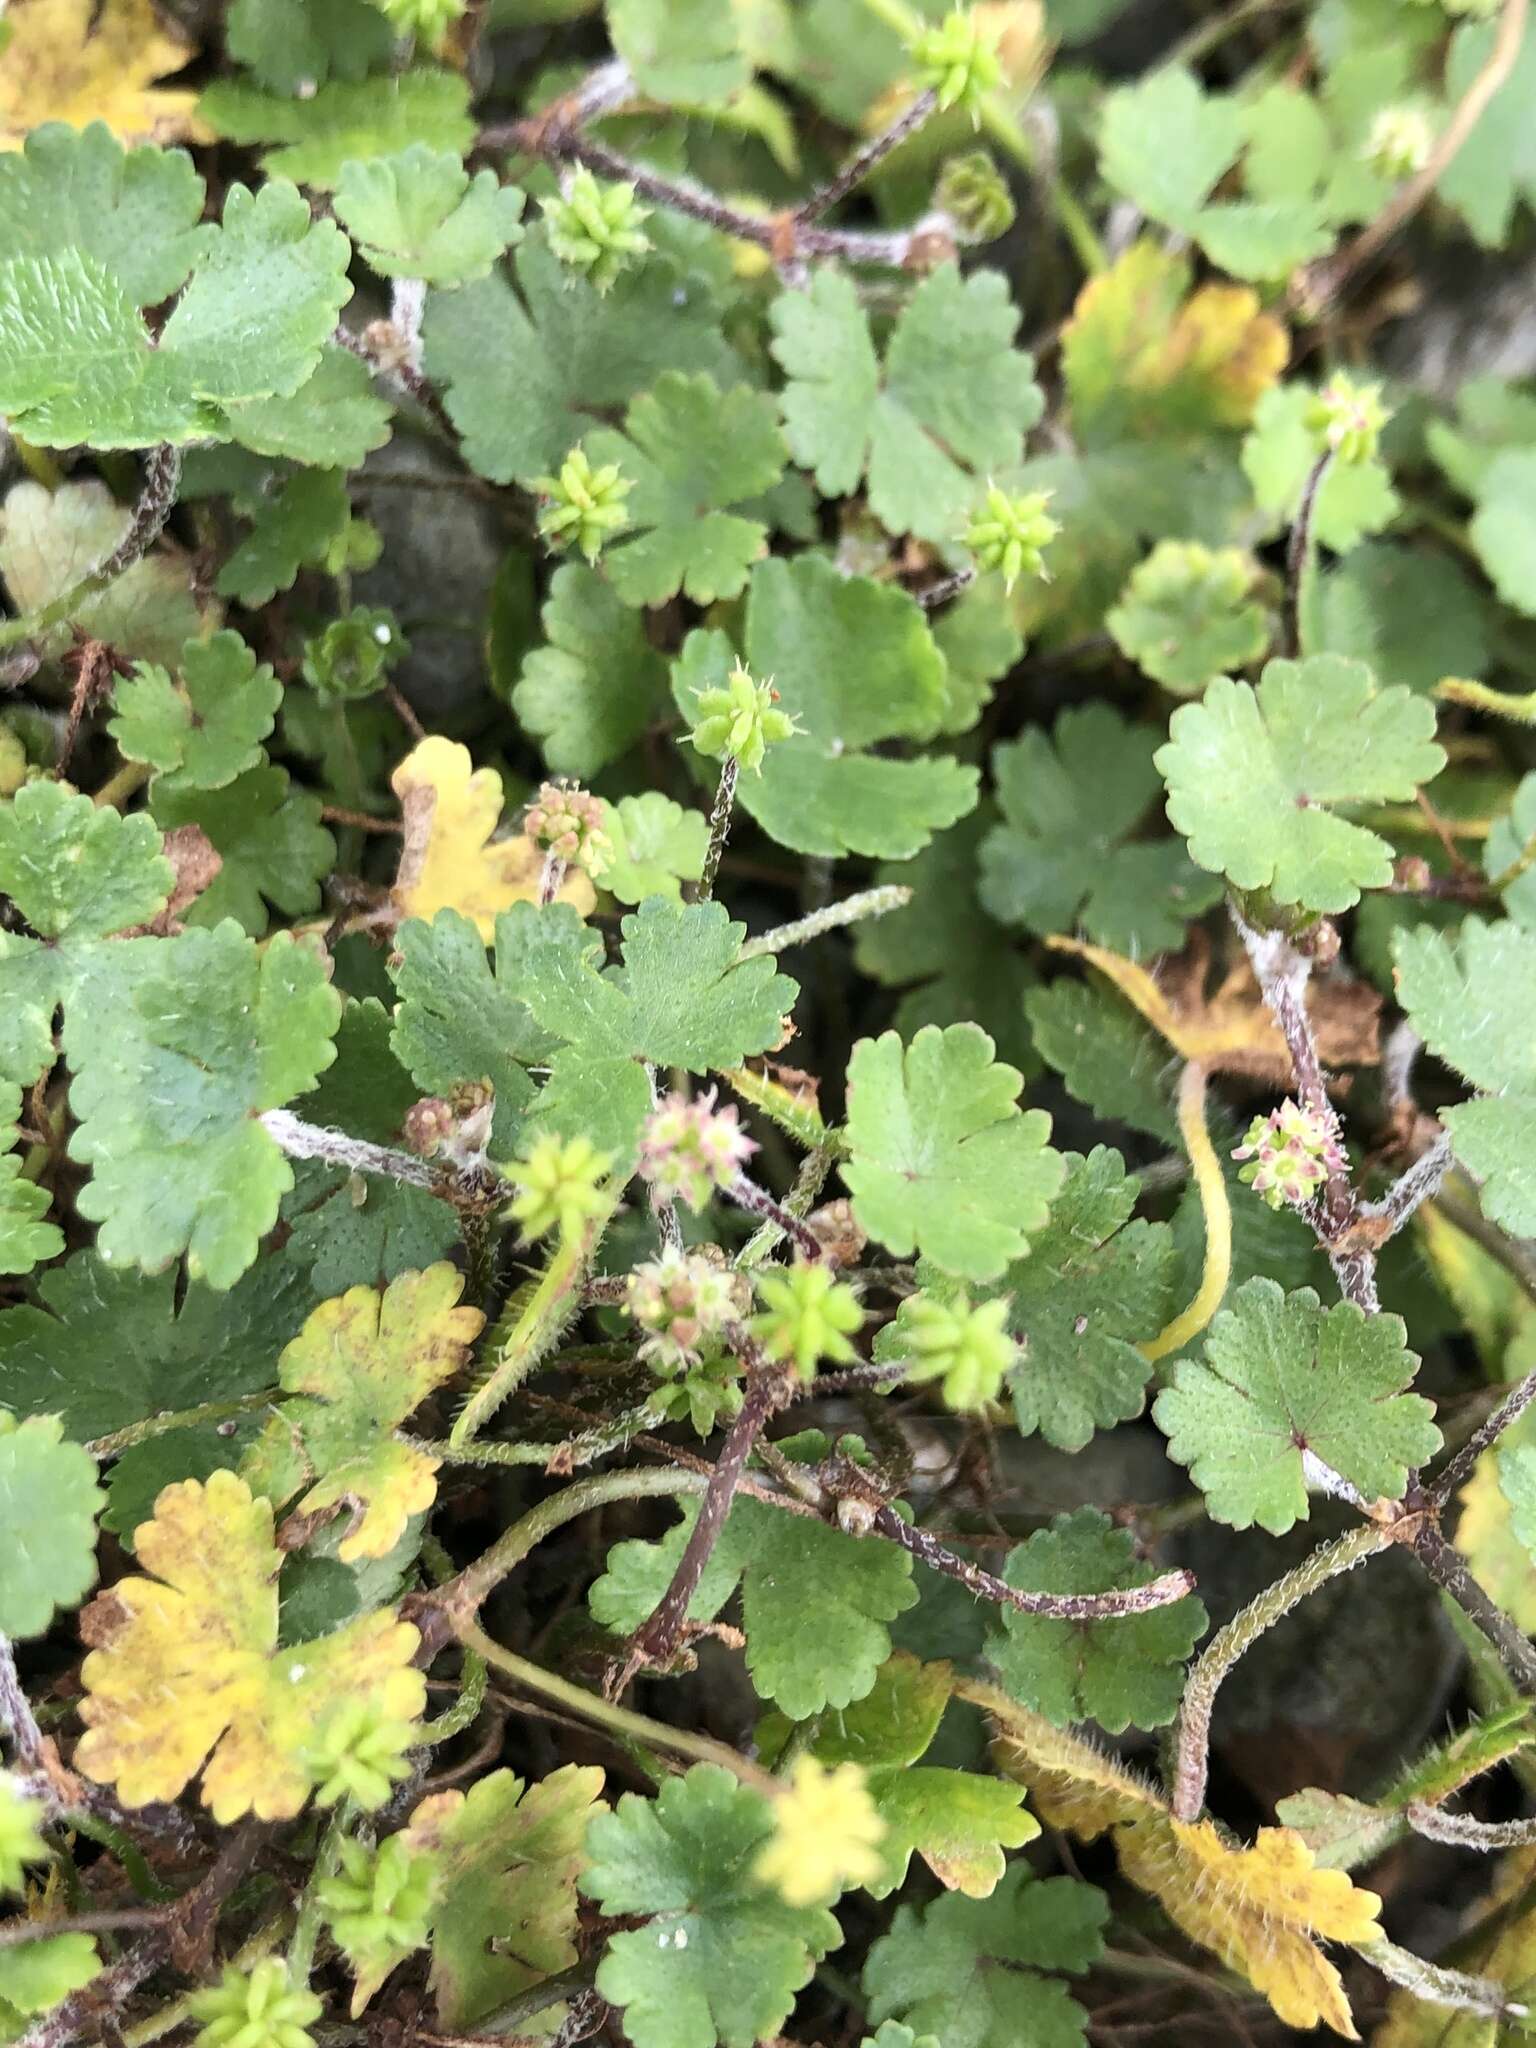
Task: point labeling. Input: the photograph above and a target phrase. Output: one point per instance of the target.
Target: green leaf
(1117, 1672)
(679, 999)
(1469, 998)
(1166, 144)
(890, 1728)
(1266, 242)
(1064, 855)
(590, 692)
(1412, 615)
(1282, 1378)
(421, 215)
(49, 1501)
(343, 120)
(1254, 777)
(1354, 499)
(35, 1976)
(77, 362)
(175, 1054)
(1094, 1286)
(718, 1959)
(656, 847)
(210, 729)
(1503, 528)
(268, 835)
(25, 1238)
(787, 1566)
(1496, 164)
(135, 212)
(49, 540)
(1105, 1055)
(505, 1913)
(691, 452)
(295, 45)
(951, 403)
(1185, 615)
(942, 1160)
(459, 1020)
(333, 420)
(109, 1346)
(76, 871)
(1507, 839)
(682, 51)
(855, 664)
(302, 524)
(523, 370)
(944, 942)
(980, 643)
(969, 1970)
(351, 1231)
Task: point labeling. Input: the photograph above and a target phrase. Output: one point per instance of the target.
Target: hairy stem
(936, 594)
(809, 1183)
(852, 910)
(465, 1190)
(1410, 1189)
(719, 825)
(1452, 1476)
(746, 1194)
(1463, 1832)
(656, 1642)
(1440, 1986)
(162, 476)
(133, 1433)
(1192, 1740)
(16, 1711)
(863, 161)
(619, 1721)
(1449, 1571)
(1299, 557)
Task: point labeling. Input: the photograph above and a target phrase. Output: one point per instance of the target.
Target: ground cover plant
(767, 969)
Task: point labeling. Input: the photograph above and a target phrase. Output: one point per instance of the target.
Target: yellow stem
(1211, 1184)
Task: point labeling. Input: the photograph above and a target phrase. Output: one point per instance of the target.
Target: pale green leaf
(207, 729)
(49, 1501)
(595, 685)
(421, 215)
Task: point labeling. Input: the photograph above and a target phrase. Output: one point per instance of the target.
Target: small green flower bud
(353, 656)
(740, 721)
(21, 1840)
(1347, 418)
(427, 20)
(359, 1754)
(808, 1315)
(596, 228)
(957, 59)
(1011, 534)
(379, 1902)
(966, 1347)
(585, 505)
(706, 1395)
(689, 1148)
(975, 195)
(1400, 141)
(255, 2009)
(571, 823)
(13, 761)
(560, 1185)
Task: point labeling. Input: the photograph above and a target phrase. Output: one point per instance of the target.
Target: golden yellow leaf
(1231, 1030)
(1261, 1909)
(1142, 352)
(1500, 1562)
(1257, 1908)
(76, 61)
(449, 859)
(184, 1671)
(365, 1359)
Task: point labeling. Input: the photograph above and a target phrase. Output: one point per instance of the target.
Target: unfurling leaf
(185, 1673)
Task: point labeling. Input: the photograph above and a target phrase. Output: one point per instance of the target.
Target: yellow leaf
(449, 859)
(184, 1671)
(1500, 1562)
(1140, 355)
(1231, 1030)
(367, 1359)
(1258, 1908)
(76, 61)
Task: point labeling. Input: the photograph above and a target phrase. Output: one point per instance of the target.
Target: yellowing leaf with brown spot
(449, 860)
(1231, 1030)
(76, 61)
(1142, 354)
(1261, 1909)
(1258, 1908)
(365, 1360)
(185, 1673)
